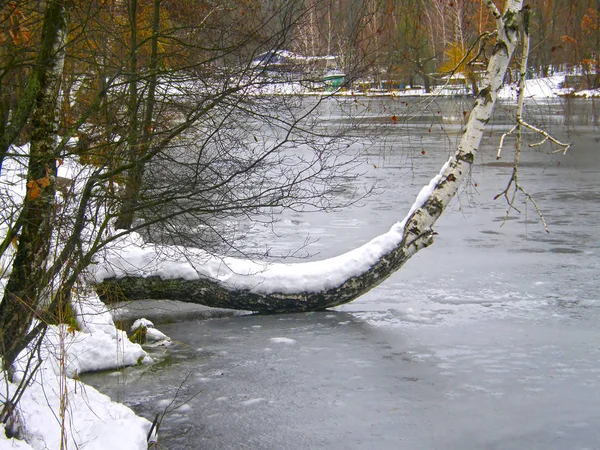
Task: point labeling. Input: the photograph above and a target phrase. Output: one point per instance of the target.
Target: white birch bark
(458, 165)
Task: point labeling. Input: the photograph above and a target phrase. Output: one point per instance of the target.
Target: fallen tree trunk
(262, 291)
(211, 292)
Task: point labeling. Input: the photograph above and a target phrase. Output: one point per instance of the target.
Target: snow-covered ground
(57, 406)
(549, 87)
(55, 401)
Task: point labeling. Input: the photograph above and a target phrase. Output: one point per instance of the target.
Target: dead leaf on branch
(33, 190)
(44, 181)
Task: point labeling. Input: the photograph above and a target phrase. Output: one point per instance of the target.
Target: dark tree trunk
(54, 26)
(209, 292)
(138, 150)
(25, 288)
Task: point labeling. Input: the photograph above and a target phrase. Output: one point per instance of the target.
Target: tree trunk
(417, 230)
(125, 218)
(24, 291)
(133, 183)
(38, 81)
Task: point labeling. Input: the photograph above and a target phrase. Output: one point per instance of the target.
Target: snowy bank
(90, 419)
(550, 87)
(536, 88)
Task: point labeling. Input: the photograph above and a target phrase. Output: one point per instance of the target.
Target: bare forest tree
(167, 110)
(176, 129)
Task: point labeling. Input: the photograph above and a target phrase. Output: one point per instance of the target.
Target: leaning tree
(301, 287)
(167, 140)
(167, 121)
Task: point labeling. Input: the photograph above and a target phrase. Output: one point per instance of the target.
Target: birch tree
(405, 239)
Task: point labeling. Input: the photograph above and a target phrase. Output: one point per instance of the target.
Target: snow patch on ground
(88, 352)
(92, 420)
(13, 444)
(548, 87)
(588, 93)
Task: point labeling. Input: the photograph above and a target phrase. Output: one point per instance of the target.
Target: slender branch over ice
(513, 182)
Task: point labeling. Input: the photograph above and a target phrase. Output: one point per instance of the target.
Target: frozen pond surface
(488, 339)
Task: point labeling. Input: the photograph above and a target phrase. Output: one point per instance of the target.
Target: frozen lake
(488, 339)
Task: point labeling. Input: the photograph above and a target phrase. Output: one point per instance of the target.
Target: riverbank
(539, 88)
(55, 409)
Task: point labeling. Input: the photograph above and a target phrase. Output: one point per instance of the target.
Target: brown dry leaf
(44, 182)
(33, 190)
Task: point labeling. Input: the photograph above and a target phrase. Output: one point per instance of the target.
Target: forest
(425, 38)
(127, 122)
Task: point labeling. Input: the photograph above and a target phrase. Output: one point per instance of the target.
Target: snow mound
(549, 87)
(153, 335)
(91, 420)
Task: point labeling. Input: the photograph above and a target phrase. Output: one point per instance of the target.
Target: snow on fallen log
(151, 271)
(131, 257)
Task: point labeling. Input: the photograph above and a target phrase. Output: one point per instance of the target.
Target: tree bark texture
(53, 38)
(418, 232)
(25, 288)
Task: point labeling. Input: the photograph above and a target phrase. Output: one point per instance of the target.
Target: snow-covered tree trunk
(291, 288)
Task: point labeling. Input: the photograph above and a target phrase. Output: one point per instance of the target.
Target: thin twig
(501, 144)
(152, 437)
(547, 137)
(537, 209)
(513, 182)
